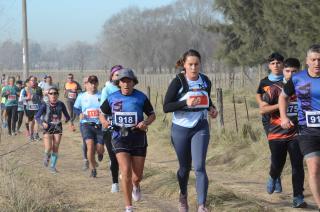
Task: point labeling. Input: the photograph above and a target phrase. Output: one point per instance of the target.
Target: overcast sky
(63, 21)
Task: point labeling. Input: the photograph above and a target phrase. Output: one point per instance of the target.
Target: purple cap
(115, 68)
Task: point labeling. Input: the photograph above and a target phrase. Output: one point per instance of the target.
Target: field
(237, 166)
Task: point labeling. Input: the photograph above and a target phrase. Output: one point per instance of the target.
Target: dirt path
(86, 194)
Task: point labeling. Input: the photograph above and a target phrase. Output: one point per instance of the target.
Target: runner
(46, 86)
(49, 117)
(305, 85)
(88, 104)
(71, 91)
(188, 97)
(10, 92)
(281, 140)
(106, 91)
(20, 111)
(3, 111)
(275, 65)
(129, 139)
(32, 96)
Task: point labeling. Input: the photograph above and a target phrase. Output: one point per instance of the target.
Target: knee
(184, 171)
(198, 169)
(136, 179)
(314, 173)
(126, 175)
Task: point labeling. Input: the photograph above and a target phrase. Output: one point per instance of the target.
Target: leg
(20, 119)
(137, 170)
(55, 149)
(313, 164)
(114, 167)
(296, 159)
(91, 153)
(278, 151)
(14, 118)
(9, 118)
(199, 147)
(182, 146)
(124, 160)
(47, 141)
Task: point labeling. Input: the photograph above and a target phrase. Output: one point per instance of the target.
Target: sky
(60, 22)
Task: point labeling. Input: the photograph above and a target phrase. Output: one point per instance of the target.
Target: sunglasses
(53, 93)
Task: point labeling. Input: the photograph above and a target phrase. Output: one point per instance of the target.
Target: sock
(27, 126)
(47, 153)
(54, 158)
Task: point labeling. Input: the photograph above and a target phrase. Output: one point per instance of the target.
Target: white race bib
(202, 99)
(72, 95)
(55, 119)
(313, 118)
(126, 119)
(12, 97)
(292, 109)
(92, 113)
(32, 107)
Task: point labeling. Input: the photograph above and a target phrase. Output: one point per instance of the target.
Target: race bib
(126, 119)
(55, 119)
(292, 109)
(33, 107)
(72, 95)
(313, 118)
(92, 113)
(202, 100)
(12, 97)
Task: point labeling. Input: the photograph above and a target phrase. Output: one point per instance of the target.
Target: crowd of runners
(117, 120)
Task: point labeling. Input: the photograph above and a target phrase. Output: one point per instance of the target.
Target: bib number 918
(313, 118)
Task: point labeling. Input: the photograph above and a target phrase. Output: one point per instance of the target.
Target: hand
(286, 123)
(105, 124)
(213, 113)
(45, 125)
(192, 101)
(142, 126)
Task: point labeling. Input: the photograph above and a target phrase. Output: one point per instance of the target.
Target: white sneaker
(115, 188)
(136, 193)
(129, 209)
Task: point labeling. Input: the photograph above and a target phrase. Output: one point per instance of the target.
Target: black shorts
(135, 143)
(309, 145)
(53, 129)
(92, 131)
(30, 113)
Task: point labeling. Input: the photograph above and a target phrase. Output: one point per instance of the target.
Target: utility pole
(25, 53)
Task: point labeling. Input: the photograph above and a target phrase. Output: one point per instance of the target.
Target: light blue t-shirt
(89, 104)
(107, 90)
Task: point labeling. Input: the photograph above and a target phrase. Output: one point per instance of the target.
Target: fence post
(235, 112)
(220, 107)
(148, 93)
(245, 102)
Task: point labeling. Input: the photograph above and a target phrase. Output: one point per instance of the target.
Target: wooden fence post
(220, 107)
(235, 113)
(245, 102)
(148, 93)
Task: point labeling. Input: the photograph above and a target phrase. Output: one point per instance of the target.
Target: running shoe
(4, 125)
(115, 188)
(201, 208)
(129, 209)
(278, 186)
(53, 170)
(298, 202)
(31, 138)
(85, 166)
(136, 193)
(37, 137)
(183, 203)
(93, 173)
(100, 157)
(270, 185)
(46, 161)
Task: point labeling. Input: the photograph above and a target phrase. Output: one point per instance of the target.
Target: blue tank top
(307, 90)
(89, 104)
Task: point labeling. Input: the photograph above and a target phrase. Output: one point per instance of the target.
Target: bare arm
(264, 107)
(283, 105)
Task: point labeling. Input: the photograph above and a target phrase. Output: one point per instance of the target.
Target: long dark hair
(190, 52)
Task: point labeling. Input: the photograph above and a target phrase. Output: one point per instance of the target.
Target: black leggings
(70, 105)
(20, 118)
(12, 118)
(279, 151)
(114, 167)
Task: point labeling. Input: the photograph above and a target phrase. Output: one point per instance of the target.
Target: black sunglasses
(54, 93)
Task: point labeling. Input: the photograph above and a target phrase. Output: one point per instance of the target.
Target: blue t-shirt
(89, 105)
(307, 90)
(107, 90)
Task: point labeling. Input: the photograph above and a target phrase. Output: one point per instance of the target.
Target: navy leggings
(191, 144)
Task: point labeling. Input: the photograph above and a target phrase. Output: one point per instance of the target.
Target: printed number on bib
(12, 97)
(313, 118)
(92, 113)
(33, 107)
(201, 99)
(72, 95)
(127, 119)
(292, 109)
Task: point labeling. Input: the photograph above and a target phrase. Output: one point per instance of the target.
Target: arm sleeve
(260, 89)
(77, 105)
(147, 107)
(288, 88)
(170, 101)
(41, 111)
(104, 95)
(105, 108)
(65, 112)
(209, 93)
